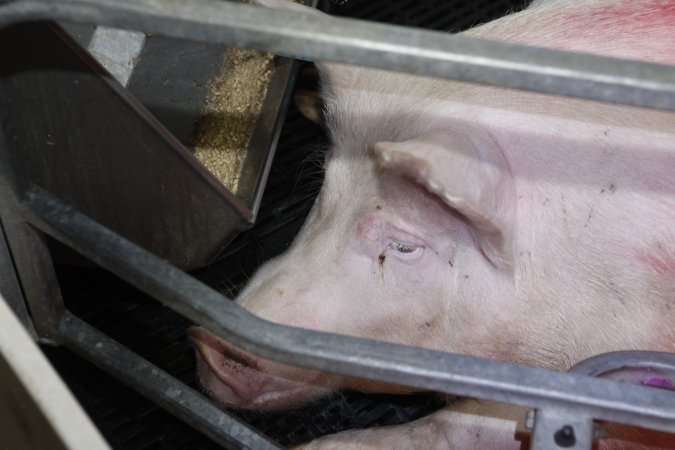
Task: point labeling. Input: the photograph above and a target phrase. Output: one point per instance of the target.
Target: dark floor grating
(130, 422)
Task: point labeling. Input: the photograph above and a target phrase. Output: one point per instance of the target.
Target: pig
(503, 224)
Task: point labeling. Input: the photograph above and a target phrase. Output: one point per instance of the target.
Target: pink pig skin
(510, 225)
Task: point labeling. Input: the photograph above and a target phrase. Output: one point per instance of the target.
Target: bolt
(564, 437)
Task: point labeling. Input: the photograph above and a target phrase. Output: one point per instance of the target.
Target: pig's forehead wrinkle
(525, 109)
(383, 85)
(492, 108)
(356, 131)
(376, 109)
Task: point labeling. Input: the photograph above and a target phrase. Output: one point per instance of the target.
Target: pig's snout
(237, 379)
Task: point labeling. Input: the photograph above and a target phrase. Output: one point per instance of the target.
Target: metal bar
(420, 368)
(317, 37)
(30, 256)
(160, 387)
(10, 280)
(9, 285)
(37, 276)
(607, 362)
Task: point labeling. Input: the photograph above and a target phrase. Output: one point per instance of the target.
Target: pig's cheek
(291, 302)
(415, 275)
(313, 312)
(414, 297)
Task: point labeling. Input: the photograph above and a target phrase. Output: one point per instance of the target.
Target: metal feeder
(76, 132)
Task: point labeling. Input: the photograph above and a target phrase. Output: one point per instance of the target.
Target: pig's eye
(406, 248)
(406, 252)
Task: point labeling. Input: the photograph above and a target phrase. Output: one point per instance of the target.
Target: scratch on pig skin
(588, 219)
(425, 325)
(617, 293)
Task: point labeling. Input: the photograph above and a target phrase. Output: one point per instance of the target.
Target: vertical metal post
(36, 275)
(9, 285)
(32, 267)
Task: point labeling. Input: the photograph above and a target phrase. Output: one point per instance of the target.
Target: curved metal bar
(383, 46)
(607, 362)
(423, 369)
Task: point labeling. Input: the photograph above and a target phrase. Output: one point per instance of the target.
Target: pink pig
(510, 225)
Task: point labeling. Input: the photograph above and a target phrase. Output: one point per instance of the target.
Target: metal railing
(563, 402)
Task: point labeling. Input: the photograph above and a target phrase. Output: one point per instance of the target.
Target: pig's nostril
(222, 369)
(237, 379)
(208, 343)
(236, 356)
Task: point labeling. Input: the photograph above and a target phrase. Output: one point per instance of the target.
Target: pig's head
(409, 233)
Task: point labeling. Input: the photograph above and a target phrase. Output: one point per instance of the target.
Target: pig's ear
(470, 174)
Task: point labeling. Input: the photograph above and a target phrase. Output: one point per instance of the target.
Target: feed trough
(175, 161)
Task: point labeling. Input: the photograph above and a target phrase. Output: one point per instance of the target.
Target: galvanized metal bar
(317, 37)
(160, 387)
(601, 364)
(423, 369)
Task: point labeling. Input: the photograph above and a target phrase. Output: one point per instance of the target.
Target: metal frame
(314, 36)
(566, 404)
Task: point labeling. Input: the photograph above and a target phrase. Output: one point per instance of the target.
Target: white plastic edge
(56, 403)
